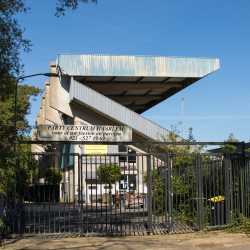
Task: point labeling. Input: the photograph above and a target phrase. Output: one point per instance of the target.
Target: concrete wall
(56, 109)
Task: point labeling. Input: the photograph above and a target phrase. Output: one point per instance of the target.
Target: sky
(214, 107)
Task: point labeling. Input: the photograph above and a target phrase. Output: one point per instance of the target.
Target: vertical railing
(149, 187)
(199, 191)
(170, 193)
(227, 187)
(212, 174)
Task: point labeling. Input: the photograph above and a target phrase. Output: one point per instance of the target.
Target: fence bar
(227, 187)
(170, 194)
(149, 185)
(176, 199)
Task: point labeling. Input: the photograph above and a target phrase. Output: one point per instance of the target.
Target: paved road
(197, 241)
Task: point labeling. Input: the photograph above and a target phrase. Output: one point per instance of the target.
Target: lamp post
(23, 77)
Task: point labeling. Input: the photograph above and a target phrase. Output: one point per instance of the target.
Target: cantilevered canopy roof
(137, 82)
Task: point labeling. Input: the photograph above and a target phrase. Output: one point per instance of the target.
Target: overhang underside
(136, 93)
(136, 82)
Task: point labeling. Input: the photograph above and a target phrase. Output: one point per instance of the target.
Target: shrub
(53, 175)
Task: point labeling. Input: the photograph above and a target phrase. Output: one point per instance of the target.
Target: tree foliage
(53, 175)
(63, 5)
(174, 136)
(183, 177)
(7, 109)
(11, 39)
(16, 170)
(229, 148)
(109, 173)
(11, 34)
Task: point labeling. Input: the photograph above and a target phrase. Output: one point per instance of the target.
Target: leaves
(241, 224)
(69, 4)
(109, 173)
(16, 170)
(11, 39)
(229, 148)
(53, 175)
(174, 136)
(7, 109)
(11, 34)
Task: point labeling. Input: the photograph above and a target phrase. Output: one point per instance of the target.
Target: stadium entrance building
(111, 90)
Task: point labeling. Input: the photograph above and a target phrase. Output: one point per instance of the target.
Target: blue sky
(214, 106)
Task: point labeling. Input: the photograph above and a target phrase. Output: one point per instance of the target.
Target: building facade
(115, 91)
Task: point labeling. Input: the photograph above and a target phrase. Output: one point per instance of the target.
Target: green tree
(183, 176)
(16, 170)
(53, 175)
(109, 173)
(7, 110)
(11, 35)
(229, 148)
(11, 40)
(174, 136)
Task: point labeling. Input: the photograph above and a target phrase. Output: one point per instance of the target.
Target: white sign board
(84, 133)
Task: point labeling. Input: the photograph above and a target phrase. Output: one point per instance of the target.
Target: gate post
(170, 194)
(199, 191)
(227, 187)
(149, 187)
(242, 180)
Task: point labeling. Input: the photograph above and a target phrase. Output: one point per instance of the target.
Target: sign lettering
(84, 133)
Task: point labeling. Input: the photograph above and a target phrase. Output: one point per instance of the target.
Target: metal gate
(190, 191)
(58, 193)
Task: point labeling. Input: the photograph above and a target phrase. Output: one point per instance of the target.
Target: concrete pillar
(77, 150)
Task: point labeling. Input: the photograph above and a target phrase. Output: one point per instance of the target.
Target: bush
(16, 170)
(241, 224)
(53, 175)
(109, 173)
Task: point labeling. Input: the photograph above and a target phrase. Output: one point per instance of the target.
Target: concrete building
(111, 90)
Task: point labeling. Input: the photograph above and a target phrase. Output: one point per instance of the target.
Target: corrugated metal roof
(153, 66)
(118, 112)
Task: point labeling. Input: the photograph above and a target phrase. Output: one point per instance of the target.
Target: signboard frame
(84, 133)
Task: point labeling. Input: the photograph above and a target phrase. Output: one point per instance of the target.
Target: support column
(77, 150)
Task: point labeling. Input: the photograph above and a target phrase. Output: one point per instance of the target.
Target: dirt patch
(208, 245)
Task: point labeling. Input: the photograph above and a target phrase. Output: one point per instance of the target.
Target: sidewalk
(196, 241)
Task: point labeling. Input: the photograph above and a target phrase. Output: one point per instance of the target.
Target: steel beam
(135, 98)
(125, 86)
(172, 91)
(137, 107)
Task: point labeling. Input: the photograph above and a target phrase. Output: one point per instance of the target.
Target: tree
(183, 175)
(69, 4)
(229, 148)
(7, 109)
(109, 173)
(11, 43)
(11, 34)
(53, 175)
(16, 169)
(174, 136)
(11, 40)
